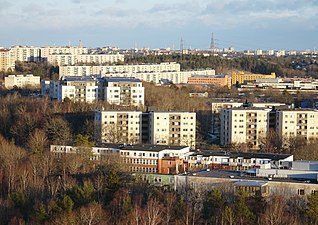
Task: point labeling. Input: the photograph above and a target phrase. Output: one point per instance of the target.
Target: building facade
(149, 159)
(302, 123)
(240, 78)
(158, 128)
(244, 125)
(22, 81)
(145, 72)
(78, 90)
(122, 91)
(217, 80)
(6, 60)
(117, 126)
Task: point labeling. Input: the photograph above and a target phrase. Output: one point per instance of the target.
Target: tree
(213, 206)
(312, 208)
(37, 141)
(243, 214)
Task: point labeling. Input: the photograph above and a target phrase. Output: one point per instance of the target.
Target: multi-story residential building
(217, 80)
(6, 61)
(159, 159)
(22, 81)
(100, 59)
(218, 106)
(240, 78)
(118, 126)
(69, 59)
(61, 59)
(296, 123)
(26, 53)
(244, 125)
(119, 91)
(118, 69)
(161, 128)
(56, 50)
(172, 128)
(146, 72)
(78, 89)
(122, 91)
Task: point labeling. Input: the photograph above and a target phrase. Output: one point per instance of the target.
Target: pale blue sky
(244, 24)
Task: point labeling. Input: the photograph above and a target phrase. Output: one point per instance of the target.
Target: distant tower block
(81, 43)
(181, 46)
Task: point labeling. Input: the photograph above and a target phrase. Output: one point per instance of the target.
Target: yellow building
(5, 60)
(241, 77)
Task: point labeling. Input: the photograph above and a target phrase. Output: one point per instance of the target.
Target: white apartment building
(122, 69)
(62, 59)
(244, 125)
(218, 106)
(172, 128)
(117, 126)
(22, 81)
(56, 50)
(146, 72)
(100, 58)
(26, 53)
(78, 89)
(158, 128)
(297, 122)
(122, 91)
(69, 59)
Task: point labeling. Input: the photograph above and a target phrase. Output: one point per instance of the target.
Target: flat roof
(121, 79)
(246, 155)
(143, 147)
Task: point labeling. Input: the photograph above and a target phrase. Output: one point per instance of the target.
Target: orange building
(217, 80)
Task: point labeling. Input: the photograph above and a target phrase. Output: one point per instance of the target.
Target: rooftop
(144, 147)
(121, 79)
(246, 155)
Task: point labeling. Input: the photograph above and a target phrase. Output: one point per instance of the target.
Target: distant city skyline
(248, 24)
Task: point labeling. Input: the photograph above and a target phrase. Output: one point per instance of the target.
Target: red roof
(4, 50)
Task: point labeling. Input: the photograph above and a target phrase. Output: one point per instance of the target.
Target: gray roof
(121, 79)
(143, 147)
(245, 155)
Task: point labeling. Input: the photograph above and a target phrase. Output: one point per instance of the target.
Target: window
(301, 192)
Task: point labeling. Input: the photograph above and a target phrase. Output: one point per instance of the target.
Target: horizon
(244, 25)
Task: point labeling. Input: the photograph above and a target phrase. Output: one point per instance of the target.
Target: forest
(37, 187)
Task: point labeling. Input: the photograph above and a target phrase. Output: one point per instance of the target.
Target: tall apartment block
(218, 106)
(159, 128)
(119, 91)
(122, 91)
(172, 128)
(296, 123)
(146, 72)
(77, 89)
(6, 60)
(250, 125)
(243, 125)
(117, 126)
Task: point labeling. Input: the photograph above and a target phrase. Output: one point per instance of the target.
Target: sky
(242, 24)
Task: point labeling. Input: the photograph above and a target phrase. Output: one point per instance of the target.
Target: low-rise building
(22, 81)
(240, 78)
(159, 159)
(217, 80)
